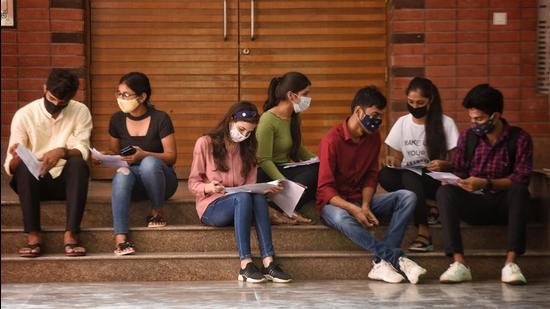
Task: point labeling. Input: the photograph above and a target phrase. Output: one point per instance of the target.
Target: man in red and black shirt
(495, 160)
(347, 181)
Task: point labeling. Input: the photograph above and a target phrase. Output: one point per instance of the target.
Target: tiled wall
(49, 34)
(454, 43)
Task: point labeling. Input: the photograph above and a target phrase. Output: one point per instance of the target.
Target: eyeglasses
(124, 95)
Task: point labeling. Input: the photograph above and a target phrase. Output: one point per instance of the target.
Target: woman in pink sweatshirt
(226, 157)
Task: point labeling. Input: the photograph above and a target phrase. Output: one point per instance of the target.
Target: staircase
(187, 250)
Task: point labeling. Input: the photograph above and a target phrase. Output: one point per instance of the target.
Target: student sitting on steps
(226, 157)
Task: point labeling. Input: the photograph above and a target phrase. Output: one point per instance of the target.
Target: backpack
(472, 140)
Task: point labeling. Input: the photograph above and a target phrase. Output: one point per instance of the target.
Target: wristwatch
(488, 186)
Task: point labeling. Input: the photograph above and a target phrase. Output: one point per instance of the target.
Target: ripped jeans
(150, 179)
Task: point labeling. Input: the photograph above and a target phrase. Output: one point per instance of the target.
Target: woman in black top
(150, 174)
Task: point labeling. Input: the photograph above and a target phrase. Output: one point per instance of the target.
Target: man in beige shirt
(56, 129)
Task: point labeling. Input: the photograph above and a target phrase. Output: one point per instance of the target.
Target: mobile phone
(127, 151)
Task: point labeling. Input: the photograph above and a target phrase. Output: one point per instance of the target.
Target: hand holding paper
(108, 160)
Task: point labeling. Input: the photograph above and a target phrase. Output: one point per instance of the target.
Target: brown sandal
(301, 219)
(73, 250)
(421, 244)
(30, 251)
(278, 218)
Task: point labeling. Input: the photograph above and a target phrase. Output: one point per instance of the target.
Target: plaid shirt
(491, 161)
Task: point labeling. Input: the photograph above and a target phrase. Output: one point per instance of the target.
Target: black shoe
(274, 273)
(251, 273)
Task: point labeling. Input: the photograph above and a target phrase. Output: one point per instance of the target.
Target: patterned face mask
(485, 128)
(369, 123)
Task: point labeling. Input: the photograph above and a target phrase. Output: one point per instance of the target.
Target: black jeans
(305, 175)
(423, 186)
(71, 185)
(503, 207)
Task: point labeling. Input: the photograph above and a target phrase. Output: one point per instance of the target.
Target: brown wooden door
(339, 45)
(196, 74)
(180, 45)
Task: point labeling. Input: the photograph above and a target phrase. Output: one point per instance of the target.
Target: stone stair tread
(233, 254)
(201, 227)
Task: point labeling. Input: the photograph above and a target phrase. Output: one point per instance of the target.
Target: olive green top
(274, 144)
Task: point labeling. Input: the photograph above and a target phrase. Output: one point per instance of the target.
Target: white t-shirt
(410, 138)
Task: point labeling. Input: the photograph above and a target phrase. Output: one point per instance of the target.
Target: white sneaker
(511, 274)
(384, 271)
(456, 273)
(412, 270)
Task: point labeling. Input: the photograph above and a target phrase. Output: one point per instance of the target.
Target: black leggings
(71, 185)
(305, 175)
(423, 186)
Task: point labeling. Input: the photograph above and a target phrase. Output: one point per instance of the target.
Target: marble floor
(303, 294)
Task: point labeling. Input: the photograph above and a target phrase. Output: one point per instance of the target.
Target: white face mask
(127, 106)
(304, 104)
(236, 135)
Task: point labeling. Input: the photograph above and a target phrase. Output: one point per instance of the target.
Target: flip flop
(74, 252)
(30, 251)
(301, 219)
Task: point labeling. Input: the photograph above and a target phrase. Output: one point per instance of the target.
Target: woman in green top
(280, 139)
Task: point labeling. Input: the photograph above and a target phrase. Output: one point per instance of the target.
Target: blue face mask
(371, 123)
(485, 128)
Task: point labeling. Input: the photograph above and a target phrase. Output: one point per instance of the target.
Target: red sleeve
(371, 176)
(326, 186)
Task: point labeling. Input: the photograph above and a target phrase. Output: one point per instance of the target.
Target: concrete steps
(187, 250)
(198, 238)
(303, 265)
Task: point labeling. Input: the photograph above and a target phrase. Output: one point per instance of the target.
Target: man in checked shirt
(495, 161)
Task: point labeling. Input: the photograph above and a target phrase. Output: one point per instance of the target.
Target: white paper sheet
(448, 178)
(30, 160)
(108, 160)
(414, 169)
(287, 199)
(307, 162)
(253, 188)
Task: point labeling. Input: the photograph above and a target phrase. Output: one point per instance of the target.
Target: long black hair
(436, 142)
(277, 92)
(139, 83)
(221, 133)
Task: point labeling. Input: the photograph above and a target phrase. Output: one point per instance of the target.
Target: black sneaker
(251, 273)
(274, 273)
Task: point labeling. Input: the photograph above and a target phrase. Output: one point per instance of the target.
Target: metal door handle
(252, 36)
(225, 20)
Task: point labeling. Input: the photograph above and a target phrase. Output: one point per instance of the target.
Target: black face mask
(52, 108)
(418, 112)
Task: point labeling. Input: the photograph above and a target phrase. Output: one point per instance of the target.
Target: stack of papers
(287, 199)
(448, 178)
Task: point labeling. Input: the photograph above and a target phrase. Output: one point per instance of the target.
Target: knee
(150, 164)
(407, 198)
(445, 192)
(243, 199)
(518, 188)
(77, 165)
(122, 177)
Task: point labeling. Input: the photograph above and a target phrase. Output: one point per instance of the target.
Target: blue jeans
(398, 205)
(150, 179)
(241, 209)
